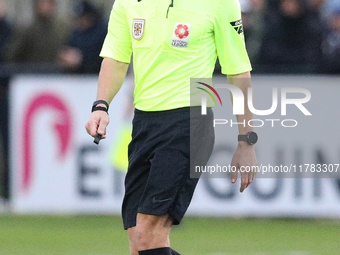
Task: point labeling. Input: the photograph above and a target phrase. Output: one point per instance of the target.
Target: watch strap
(100, 108)
(243, 138)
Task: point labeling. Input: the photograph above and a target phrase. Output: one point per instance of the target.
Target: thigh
(168, 173)
(158, 156)
(158, 180)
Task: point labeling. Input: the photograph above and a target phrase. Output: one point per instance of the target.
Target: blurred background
(60, 194)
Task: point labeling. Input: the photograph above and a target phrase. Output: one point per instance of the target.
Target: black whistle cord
(171, 5)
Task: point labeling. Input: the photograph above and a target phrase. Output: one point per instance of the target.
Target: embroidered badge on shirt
(181, 35)
(138, 28)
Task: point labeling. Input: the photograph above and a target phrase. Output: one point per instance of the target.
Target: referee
(171, 41)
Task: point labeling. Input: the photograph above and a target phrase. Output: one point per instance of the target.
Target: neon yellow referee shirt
(173, 41)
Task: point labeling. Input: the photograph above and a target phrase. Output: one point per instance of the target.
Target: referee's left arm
(244, 155)
(234, 60)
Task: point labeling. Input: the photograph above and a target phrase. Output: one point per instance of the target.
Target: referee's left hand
(244, 160)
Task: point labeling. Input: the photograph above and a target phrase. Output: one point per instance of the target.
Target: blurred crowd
(283, 36)
(293, 36)
(72, 46)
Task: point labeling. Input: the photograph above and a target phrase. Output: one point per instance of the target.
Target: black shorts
(158, 179)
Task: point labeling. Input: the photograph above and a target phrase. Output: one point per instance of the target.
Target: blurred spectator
(86, 40)
(252, 15)
(5, 28)
(292, 37)
(317, 5)
(41, 41)
(330, 5)
(318, 8)
(331, 45)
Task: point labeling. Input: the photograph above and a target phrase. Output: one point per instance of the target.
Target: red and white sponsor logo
(181, 35)
(62, 129)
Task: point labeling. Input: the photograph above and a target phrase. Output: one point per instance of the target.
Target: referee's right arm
(111, 78)
(116, 51)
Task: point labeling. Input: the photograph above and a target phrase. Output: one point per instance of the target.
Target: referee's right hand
(97, 124)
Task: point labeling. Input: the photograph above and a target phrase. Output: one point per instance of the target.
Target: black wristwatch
(251, 138)
(100, 108)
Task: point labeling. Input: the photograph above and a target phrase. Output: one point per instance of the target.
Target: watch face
(252, 138)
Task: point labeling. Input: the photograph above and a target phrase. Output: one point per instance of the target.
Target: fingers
(244, 182)
(244, 160)
(247, 179)
(253, 176)
(92, 127)
(97, 124)
(102, 127)
(234, 174)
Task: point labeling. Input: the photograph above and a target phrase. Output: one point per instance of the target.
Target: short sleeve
(229, 38)
(117, 44)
